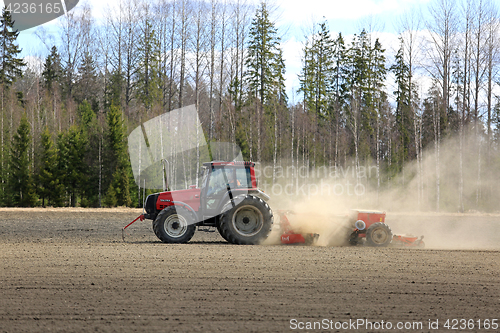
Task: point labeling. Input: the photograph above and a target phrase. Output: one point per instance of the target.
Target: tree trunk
(212, 70)
(275, 143)
(378, 158)
(437, 135)
(100, 175)
(2, 156)
(183, 36)
(172, 50)
(222, 53)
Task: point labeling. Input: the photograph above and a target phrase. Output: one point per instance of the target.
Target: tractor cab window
(217, 183)
(217, 186)
(243, 178)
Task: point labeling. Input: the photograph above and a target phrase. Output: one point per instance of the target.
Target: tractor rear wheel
(378, 234)
(174, 224)
(248, 223)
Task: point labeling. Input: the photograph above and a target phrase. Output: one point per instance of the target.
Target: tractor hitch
(140, 217)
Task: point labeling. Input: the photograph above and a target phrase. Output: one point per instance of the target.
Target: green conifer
(21, 187)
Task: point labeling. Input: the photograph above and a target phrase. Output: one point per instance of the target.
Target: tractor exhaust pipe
(165, 173)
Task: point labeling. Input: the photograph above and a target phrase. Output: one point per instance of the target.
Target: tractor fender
(226, 203)
(238, 199)
(261, 194)
(255, 193)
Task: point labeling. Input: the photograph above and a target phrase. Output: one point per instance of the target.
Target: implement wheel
(378, 234)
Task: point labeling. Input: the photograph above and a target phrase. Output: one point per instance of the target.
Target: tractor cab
(228, 199)
(223, 180)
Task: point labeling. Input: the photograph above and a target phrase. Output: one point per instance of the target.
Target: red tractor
(228, 199)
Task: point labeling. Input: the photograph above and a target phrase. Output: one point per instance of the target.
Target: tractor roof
(226, 164)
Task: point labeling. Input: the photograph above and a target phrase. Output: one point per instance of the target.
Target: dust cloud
(453, 203)
(317, 216)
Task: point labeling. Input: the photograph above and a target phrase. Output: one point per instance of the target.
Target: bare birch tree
(75, 40)
(442, 26)
(409, 26)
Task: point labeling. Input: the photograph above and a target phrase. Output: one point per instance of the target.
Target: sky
(294, 19)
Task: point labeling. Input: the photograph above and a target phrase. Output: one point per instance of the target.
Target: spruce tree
(91, 133)
(279, 75)
(21, 187)
(357, 86)
(340, 72)
(404, 121)
(86, 115)
(118, 189)
(49, 187)
(72, 148)
(52, 69)
(148, 83)
(265, 70)
(114, 89)
(10, 64)
(10, 69)
(306, 76)
(317, 77)
(87, 88)
(377, 76)
(263, 55)
(365, 80)
(339, 92)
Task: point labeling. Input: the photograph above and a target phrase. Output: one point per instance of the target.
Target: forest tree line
(64, 125)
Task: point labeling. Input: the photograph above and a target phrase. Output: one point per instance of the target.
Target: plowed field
(68, 270)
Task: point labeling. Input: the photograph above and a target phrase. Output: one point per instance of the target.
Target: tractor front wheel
(248, 223)
(174, 225)
(378, 234)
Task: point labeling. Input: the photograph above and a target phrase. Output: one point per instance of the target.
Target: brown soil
(69, 271)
